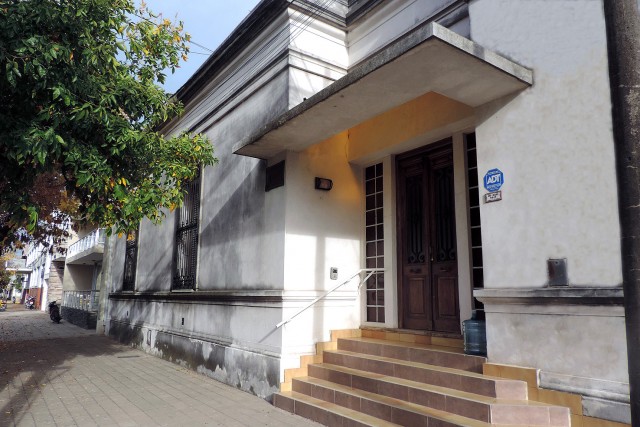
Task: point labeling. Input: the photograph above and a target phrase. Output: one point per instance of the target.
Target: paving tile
(72, 377)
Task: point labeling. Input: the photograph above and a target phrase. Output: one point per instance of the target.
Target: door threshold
(438, 334)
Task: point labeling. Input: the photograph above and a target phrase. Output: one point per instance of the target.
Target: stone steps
(414, 352)
(412, 384)
(437, 375)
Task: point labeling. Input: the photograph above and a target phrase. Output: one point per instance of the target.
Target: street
(62, 375)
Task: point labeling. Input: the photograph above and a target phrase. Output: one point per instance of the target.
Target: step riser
(326, 415)
(313, 413)
(484, 386)
(412, 354)
(451, 404)
(392, 415)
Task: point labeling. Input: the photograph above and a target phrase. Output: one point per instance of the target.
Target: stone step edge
(308, 359)
(492, 403)
(389, 336)
(323, 405)
(421, 347)
(438, 368)
(405, 335)
(421, 365)
(404, 406)
(412, 383)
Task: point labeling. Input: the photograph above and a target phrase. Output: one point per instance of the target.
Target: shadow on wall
(241, 217)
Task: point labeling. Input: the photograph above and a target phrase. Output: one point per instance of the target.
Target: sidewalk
(63, 375)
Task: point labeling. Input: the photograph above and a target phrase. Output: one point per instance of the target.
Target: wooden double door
(427, 255)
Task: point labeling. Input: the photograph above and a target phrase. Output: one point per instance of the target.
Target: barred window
(130, 262)
(186, 247)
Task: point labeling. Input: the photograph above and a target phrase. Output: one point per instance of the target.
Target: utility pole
(622, 18)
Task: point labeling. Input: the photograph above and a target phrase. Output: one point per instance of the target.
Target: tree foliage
(79, 111)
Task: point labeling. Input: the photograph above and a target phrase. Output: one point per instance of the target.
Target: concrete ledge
(230, 296)
(562, 296)
(596, 388)
(430, 59)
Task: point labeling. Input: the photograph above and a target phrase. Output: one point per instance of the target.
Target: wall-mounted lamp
(324, 184)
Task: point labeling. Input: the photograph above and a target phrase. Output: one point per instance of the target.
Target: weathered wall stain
(252, 372)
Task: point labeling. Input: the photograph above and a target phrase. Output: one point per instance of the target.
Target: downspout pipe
(622, 19)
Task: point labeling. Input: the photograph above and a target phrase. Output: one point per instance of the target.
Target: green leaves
(80, 108)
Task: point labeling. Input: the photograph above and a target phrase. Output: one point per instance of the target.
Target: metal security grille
(374, 237)
(130, 262)
(186, 252)
(445, 243)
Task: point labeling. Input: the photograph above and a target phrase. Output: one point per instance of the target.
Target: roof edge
(389, 54)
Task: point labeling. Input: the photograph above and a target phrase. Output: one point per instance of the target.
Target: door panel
(446, 311)
(428, 288)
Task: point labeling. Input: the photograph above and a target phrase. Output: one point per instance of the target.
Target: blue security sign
(493, 180)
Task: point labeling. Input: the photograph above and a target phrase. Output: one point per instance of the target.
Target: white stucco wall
(237, 80)
(155, 255)
(393, 19)
(553, 143)
(323, 230)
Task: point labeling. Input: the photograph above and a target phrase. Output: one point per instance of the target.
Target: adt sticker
(493, 180)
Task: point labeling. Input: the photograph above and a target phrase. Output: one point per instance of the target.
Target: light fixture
(324, 184)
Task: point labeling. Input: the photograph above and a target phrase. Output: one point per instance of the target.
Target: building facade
(46, 271)
(82, 275)
(455, 154)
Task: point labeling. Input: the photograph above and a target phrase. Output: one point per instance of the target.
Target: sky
(208, 21)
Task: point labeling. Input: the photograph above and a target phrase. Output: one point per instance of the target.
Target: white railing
(81, 300)
(96, 237)
(370, 272)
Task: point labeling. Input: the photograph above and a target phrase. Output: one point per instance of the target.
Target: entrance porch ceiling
(430, 59)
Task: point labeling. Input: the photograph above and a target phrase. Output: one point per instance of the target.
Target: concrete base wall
(575, 337)
(81, 318)
(249, 371)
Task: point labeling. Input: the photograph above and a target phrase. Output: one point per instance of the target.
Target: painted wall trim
(565, 296)
(232, 296)
(269, 351)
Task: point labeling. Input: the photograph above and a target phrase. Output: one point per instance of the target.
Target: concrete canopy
(430, 59)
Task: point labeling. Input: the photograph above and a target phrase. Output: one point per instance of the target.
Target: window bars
(186, 247)
(130, 262)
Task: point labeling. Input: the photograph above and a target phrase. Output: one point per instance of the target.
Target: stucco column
(103, 286)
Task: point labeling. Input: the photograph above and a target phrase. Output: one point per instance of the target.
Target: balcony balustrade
(81, 300)
(87, 249)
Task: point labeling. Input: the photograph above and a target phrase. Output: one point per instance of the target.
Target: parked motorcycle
(54, 312)
(30, 303)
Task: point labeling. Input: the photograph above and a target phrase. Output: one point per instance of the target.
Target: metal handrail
(370, 271)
